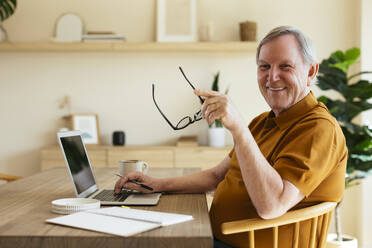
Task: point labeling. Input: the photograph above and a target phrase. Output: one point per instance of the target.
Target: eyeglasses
(185, 121)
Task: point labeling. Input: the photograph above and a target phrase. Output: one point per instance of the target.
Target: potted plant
(333, 75)
(7, 8)
(216, 131)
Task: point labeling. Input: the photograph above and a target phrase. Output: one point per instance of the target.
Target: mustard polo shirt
(306, 146)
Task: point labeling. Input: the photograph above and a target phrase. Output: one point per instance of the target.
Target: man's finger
(133, 186)
(119, 185)
(117, 190)
(211, 117)
(122, 182)
(135, 176)
(206, 93)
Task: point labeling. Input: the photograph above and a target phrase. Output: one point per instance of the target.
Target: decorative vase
(216, 136)
(347, 241)
(3, 33)
(248, 31)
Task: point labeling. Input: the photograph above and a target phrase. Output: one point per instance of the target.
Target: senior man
(291, 157)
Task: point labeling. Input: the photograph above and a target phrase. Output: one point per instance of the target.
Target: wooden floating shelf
(233, 46)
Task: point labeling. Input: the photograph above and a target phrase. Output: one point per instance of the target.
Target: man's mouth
(277, 88)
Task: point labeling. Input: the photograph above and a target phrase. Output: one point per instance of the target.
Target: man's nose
(274, 73)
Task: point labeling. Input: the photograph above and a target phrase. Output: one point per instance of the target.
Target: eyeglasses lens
(184, 122)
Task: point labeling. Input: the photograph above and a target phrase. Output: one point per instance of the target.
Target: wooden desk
(25, 204)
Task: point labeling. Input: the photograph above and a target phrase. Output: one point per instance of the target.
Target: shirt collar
(295, 112)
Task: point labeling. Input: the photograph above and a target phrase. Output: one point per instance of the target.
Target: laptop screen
(78, 162)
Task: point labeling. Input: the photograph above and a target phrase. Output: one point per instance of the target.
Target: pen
(140, 184)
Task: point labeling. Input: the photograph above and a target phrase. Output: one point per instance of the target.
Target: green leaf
(346, 111)
(365, 145)
(218, 123)
(358, 74)
(338, 56)
(344, 66)
(215, 82)
(2, 17)
(342, 60)
(326, 70)
(215, 87)
(362, 105)
(352, 53)
(327, 82)
(7, 8)
(227, 90)
(367, 131)
(323, 99)
(359, 162)
(14, 3)
(362, 90)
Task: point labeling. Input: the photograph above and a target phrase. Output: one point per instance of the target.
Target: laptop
(81, 174)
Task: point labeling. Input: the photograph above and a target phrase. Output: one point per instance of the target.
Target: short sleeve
(308, 154)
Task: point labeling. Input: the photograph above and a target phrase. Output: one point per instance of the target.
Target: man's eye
(285, 66)
(264, 67)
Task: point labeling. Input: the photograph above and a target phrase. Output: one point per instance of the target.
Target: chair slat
(275, 237)
(251, 239)
(296, 235)
(314, 224)
(323, 233)
(329, 220)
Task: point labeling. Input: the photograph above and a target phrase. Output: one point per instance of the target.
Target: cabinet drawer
(154, 157)
(201, 157)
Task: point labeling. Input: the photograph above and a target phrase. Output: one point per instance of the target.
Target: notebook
(119, 221)
(81, 174)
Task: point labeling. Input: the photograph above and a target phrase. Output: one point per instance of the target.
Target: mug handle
(145, 167)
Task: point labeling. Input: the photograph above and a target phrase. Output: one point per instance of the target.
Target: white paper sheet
(103, 223)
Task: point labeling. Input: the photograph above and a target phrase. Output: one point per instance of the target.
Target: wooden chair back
(314, 213)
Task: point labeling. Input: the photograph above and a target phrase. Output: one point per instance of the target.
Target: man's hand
(219, 106)
(138, 177)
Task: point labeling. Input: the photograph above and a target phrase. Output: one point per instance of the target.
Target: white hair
(306, 45)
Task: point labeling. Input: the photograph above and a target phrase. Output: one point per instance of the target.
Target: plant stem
(338, 222)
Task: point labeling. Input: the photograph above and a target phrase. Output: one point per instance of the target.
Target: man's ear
(313, 70)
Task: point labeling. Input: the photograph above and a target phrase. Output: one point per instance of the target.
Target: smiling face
(283, 77)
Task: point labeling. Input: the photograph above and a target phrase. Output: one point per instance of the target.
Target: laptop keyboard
(109, 195)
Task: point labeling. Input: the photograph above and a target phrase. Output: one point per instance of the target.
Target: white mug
(126, 166)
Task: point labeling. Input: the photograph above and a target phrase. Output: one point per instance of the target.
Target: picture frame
(88, 125)
(176, 21)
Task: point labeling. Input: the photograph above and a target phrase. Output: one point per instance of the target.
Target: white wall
(116, 86)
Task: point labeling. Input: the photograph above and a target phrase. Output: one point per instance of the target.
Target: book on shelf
(102, 36)
(102, 40)
(119, 221)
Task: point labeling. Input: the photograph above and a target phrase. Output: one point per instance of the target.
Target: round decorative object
(73, 205)
(118, 138)
(69, 28)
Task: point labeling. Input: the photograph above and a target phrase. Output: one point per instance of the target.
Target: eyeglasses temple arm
(153, 98)
(192, 86)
